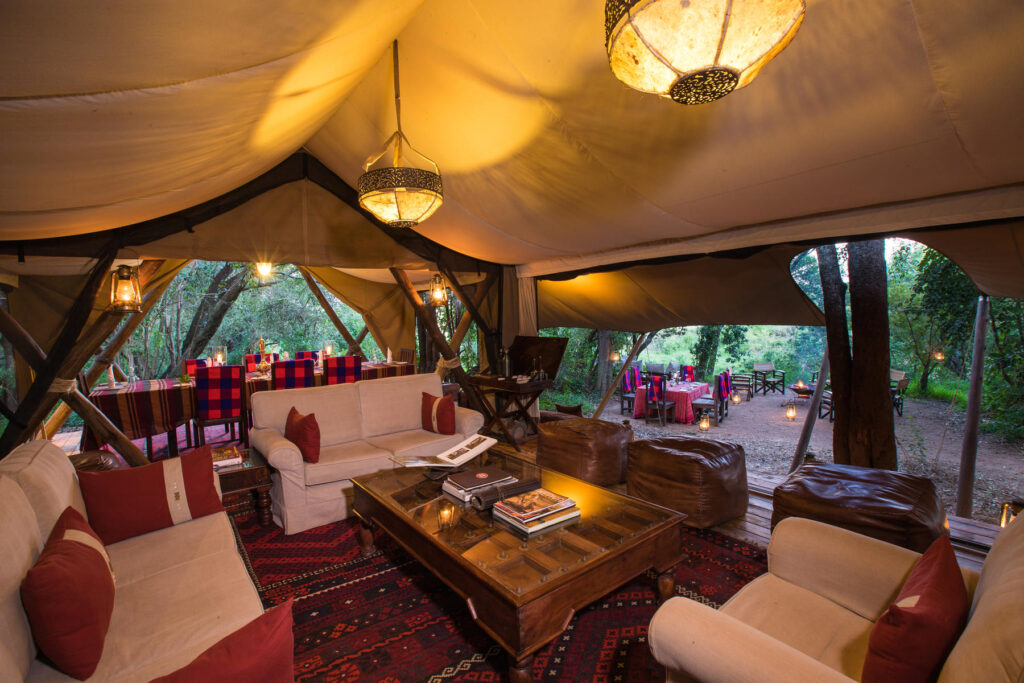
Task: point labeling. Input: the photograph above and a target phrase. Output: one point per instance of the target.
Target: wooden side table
(251, 478)
(518, 397)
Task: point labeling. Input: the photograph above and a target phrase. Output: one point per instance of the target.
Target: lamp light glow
(736, 397)
(614, 357)
(791, 411)
(696, 51)
(264, 269)
(705, 423)
(125, 291)
(437, 294)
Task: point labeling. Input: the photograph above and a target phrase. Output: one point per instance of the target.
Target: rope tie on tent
(62, 386)
(444, 366)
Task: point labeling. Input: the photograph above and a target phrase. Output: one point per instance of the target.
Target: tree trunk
(224, 289)
(603, 365)
(872, 436)
(833, 291)
(706, 351)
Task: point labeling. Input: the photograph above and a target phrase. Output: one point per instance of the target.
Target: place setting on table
(677, 390)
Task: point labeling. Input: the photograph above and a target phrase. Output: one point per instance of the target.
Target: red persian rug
(387, 618)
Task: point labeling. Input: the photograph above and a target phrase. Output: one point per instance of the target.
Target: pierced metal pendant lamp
(696, 51)
(409, 190)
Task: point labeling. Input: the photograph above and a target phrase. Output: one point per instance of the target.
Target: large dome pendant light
(696, 51)
(402, 194)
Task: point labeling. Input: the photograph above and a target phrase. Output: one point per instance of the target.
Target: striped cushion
(292, 374)
(438, 414)
(219, 392)
(192, 363)
(343, 369)
(656, 390)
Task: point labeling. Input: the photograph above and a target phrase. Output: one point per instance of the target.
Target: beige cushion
(47, 477)
(336, 407)
(416, 442)
(344, 461)
(137, 558)
(992, 646)
(395, 404)
(805, 621)
(20, 545)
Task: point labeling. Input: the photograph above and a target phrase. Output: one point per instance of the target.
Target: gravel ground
(769, 441)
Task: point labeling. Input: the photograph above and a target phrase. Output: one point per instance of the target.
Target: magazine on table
(227, 457)
(537, 524)
(453, 457)
(536, 503)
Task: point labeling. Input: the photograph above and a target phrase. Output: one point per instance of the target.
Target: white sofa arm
(467, 421)
(707, 645)
(860, 573)
(281, 453)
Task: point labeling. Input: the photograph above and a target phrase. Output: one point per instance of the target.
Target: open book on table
(453, 457)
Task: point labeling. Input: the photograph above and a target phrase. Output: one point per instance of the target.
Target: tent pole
(471, 308)
(478, 297)
(430, 325)
(105, 358)
(969, 450)
(618, 377)
(353, 345)
(812, 414)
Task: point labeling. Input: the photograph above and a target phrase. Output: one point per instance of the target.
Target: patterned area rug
(387, 618)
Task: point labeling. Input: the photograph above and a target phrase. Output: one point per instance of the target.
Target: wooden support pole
(119, 374)
(969, 450)
(22, 341)
(104, 429)
(39, 399)
(353, 345)
(812, 414)
(490, 334)
(105, 357)
(478, 297)
(618, 376)
(430, 325)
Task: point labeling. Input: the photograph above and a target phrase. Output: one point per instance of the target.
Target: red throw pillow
(304, 432)
(438, 414)
(262, 650)
(69, 596)
(129, 502)
(911, 641)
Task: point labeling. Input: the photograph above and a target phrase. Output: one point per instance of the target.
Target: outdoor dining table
(683, 394)
(145, 408)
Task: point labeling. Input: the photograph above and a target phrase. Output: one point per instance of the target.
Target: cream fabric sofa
(809, 617)
(177, 591)
(362, 425)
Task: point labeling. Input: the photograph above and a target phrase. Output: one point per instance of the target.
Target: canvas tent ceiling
(881, 116)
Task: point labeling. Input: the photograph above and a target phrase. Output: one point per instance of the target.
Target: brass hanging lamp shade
(696, 51)
(408, 191)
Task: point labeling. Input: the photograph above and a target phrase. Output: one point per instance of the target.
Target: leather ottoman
(703, 478)
(898, 508)
(585, 448)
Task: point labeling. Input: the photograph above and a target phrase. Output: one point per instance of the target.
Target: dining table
(145, 408)
(683, 393)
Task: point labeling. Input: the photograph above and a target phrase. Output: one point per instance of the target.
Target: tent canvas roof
(878, 118)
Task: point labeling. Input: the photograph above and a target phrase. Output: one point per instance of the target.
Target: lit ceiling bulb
(264, 270)
(696, 51)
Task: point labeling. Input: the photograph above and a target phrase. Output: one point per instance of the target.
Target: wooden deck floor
(971, 539)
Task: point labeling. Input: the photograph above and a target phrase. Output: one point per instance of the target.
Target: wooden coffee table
(252, 477)
(522, 591)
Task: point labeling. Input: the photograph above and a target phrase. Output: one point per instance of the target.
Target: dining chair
(656, 368)
(303, 355)
(663, 409)
(686, 372)
(219, 400)
(189, 365)
(825, 407)
(343, 369)
(768, 379)
(253, 359)
(711, 405)
(632, 379)
(407, 355)
(291, 374)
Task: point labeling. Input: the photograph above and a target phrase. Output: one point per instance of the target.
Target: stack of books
(536, 510)
(464, 485)
(227, 457)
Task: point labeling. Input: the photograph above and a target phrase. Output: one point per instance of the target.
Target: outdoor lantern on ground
(791, 411)
(264, 269)
(696, 51)
(736, 397)
(406, 192)
(125, 292)
(438, 292)
(705, 422)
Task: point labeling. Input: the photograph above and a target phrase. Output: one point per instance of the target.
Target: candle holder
(735, 397)
(791, 411)
(705, 422)
(447, 515)
(220, 355)
(328, 348)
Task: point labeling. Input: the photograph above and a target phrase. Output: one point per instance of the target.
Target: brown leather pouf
(703, 478)
(585, 448)
(898, 508)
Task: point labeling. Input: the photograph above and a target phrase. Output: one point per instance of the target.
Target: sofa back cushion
(990, 647)
(336, 407)
(20, 545)
(46, 476)
(394, 404)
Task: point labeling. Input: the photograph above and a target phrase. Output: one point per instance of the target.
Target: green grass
(942, 390)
